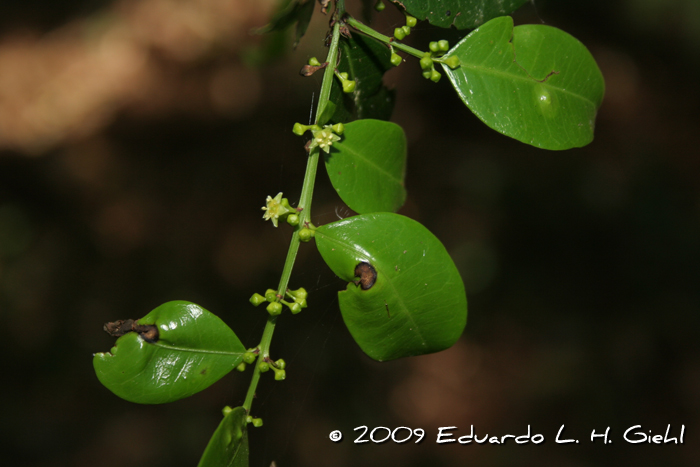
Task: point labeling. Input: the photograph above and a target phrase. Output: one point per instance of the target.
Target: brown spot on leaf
(367, 275)
(118, 328)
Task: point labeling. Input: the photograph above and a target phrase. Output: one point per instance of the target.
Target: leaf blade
(534, 83)
(194, 350)
(462, 14)
(367, 167)
(417, 304)
(228, 445)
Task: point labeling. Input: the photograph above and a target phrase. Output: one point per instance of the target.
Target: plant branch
(307, 191)
(382, 38)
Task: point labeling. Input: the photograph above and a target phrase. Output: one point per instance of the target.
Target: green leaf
(417, 304)
(462, 14)
(288, 13)
(367, 166)
(534, 83)
(228, 447)
(193, 350)
(365, 60)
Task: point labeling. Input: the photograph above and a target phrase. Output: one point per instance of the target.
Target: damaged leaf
(176, 350)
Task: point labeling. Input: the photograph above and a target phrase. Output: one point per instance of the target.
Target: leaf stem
(307, 191)
(382, 38)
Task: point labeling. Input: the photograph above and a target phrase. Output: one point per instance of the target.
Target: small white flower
(275, 208)
(324, 139)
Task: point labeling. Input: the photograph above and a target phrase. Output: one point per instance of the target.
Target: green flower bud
(435, 76)
(280, 375)
(302, 303)
(452, 62)
(434, 47)
(299, 129)
(249, 357)
(270, 295)
(257, 422)
(257, 299)
(426, 63)
(226, 410)
(395, 59)
(293, 219)
(295, 308)
(399, 33)
(281, 364)
(406, 30)
(348, 86)
(338, 128)
(306, 235)
(443, 45)
(249, 419)
(264, 367)
(379, 6)
(241, 367)
(411, 21)
(427, 74)
(300, 293)
(313, 61)
(274, 308)
(344, 75)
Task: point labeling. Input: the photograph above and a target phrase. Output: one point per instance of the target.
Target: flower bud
(270, 295)
(264, 367)
(257, 299)
(443, 45)
(249, 357)
(241, 367)
(399, 33)
(274, 308)
(435, 76)
(313, 61)
(426, 63)
(411, 21)
(395, 59)
(452, 61)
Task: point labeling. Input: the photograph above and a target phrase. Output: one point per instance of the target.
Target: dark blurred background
(139, 139)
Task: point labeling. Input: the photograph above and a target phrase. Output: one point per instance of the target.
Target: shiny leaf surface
(534, 83)
(462, 14)
(194, 349)
(228, 447)
(367, 166)
(415, 305)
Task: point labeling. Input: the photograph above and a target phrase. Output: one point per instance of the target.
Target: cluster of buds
(297, 303)
(403, 31)
(437, 50)
(277, 367)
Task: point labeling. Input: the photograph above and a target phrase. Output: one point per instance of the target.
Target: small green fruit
(274, 308)
(270, 295)
(257, 299)
(452, 62)
(306, 234)
(293, 219)
(249, 357)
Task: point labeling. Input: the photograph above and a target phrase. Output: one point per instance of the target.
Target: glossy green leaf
(228, 447)
(534, 83)
(288, 13)
(462, 14)
(367, 166)
(365, 60)
(417, 304)
(194, 349)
